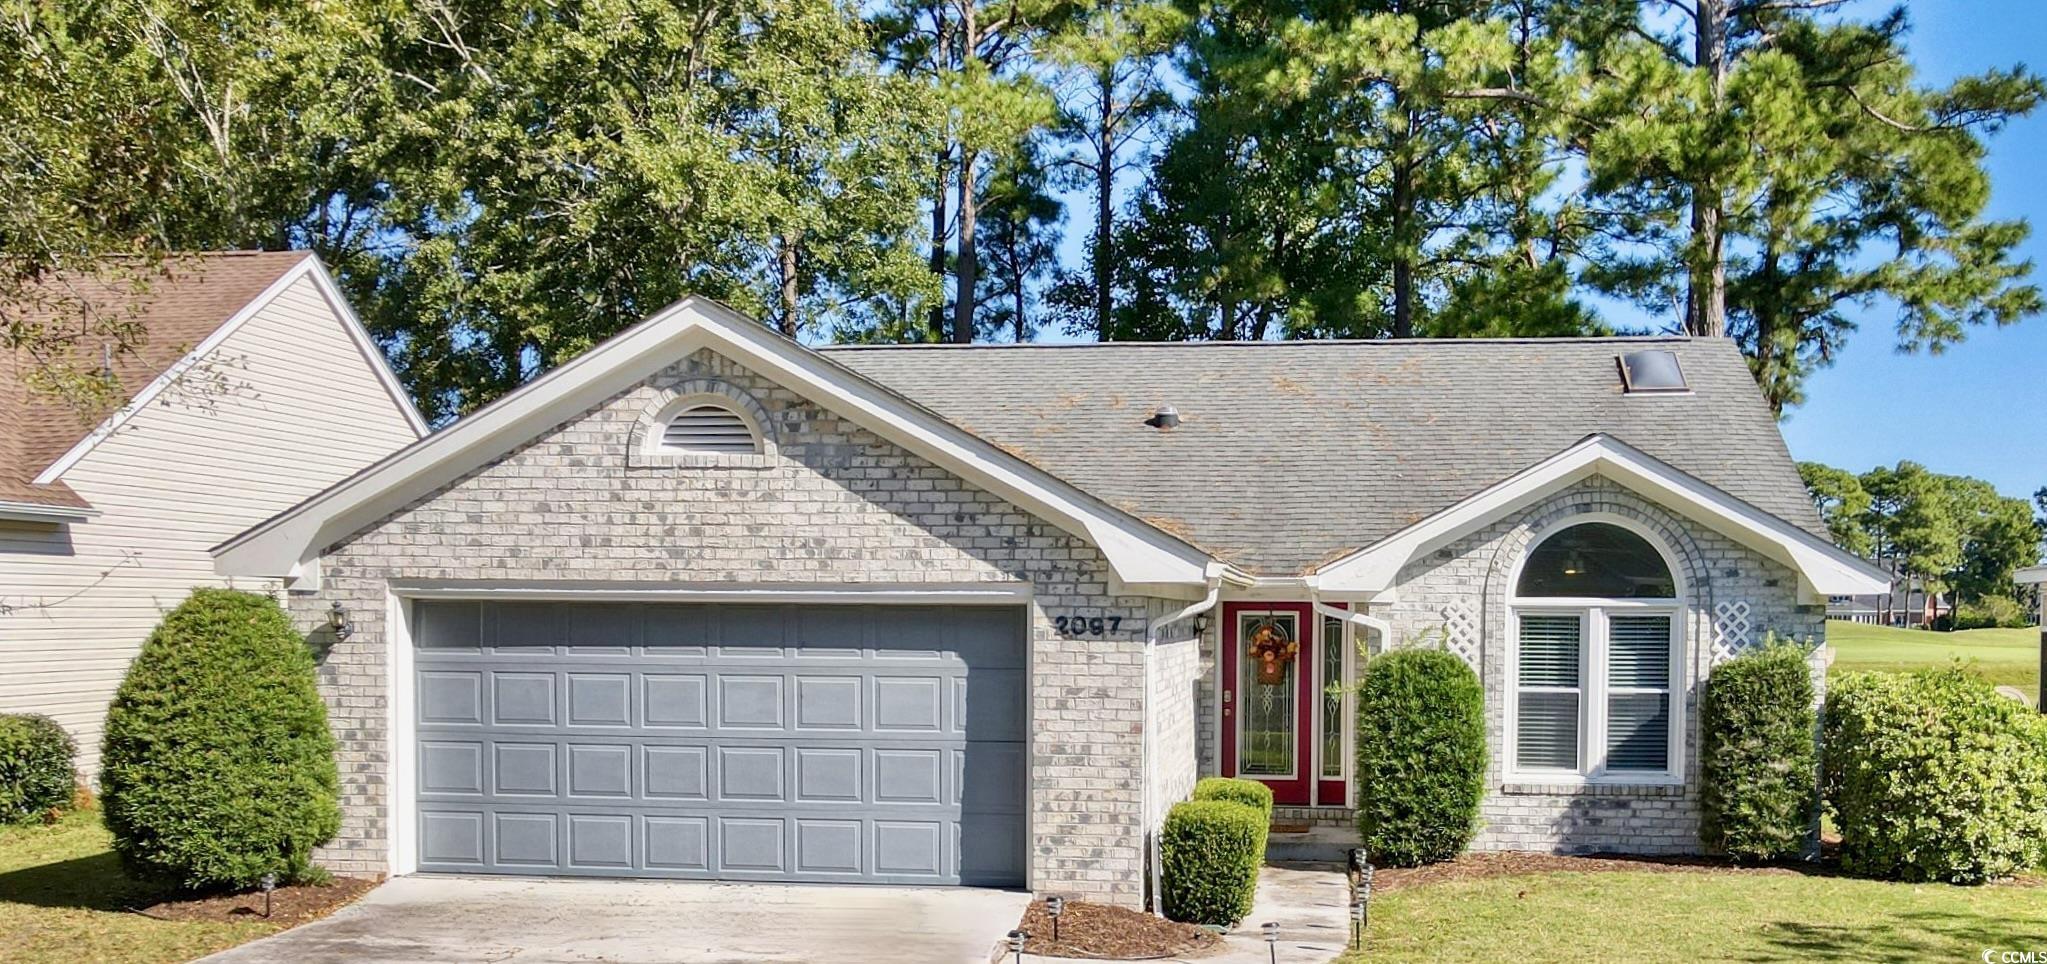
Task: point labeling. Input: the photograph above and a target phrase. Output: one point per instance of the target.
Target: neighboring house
(1905, 604)
(705, 603)
(252, 386)
(2036, 577)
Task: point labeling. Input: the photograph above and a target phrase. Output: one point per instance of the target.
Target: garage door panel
(848, 743)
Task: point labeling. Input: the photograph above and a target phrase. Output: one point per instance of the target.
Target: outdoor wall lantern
(1200, 624)
(1055, 905)
(337, 621)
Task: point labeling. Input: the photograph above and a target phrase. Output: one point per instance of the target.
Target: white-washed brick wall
(1474, 572)
(1176, 675)
(834, 504)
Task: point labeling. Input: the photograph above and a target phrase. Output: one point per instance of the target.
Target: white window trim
(1593, 689)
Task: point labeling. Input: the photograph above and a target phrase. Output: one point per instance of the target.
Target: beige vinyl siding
(282, 408)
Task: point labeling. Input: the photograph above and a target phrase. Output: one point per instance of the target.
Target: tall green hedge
(218, 766)
(36, 778)
(1210, 852)
(1932, 776)
(1250, 793)
(1421, 756)
(1759, 759)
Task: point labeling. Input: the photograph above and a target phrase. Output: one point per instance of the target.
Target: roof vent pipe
(1165, 417)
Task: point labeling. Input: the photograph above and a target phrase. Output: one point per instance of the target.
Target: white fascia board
(1823, 568)
(2031, 575)
(162, 383)
(1137, 552)
(37, 512)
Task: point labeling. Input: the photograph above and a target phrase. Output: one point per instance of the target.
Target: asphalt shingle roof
(183, 303)
(1289, 454)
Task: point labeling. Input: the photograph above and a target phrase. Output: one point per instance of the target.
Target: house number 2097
(1087, 625)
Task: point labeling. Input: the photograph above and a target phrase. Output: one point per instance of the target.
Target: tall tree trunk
(967, 264)
(1105, 186)
(1706, 295)
(1403, 254)
(786, 258)
(935, 318)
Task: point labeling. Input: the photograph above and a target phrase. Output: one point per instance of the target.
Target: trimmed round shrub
(1250, 793)
(218, 767)
(1421, 756)
(1210, 852)
(36, 778)
(1759, 760)
(1932, 776)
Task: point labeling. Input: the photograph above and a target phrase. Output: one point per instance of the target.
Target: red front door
(1268, 697)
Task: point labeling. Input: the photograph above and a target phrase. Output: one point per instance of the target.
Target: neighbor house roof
(180, 305)
(1289, 455)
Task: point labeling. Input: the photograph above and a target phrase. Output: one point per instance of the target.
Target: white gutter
(39, 512)
(1147, 784)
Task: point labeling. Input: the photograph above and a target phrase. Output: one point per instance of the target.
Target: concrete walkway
(524, 920)
(1311, 905)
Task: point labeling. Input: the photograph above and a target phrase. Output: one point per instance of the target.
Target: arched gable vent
(709, 428)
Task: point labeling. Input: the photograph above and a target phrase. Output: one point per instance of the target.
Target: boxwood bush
(36, 778)
(1251, 793)
(1758, 759)
(1421, 756)
(1210, 852)
(1932, 776)
(218, 767)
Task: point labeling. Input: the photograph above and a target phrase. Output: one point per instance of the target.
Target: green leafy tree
(1776, 166)
(560, 171)
(1112, 95)
(140, 129)
(1022, 241)
(1843, 505)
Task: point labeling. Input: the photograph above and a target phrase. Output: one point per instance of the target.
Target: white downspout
(1147, 788)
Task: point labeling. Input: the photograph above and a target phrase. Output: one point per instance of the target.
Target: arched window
(709, 428)
(1597, 658)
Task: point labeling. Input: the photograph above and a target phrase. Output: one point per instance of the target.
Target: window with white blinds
(1638, 655)
(1594, 693)
(709, 428)
(1548, 684)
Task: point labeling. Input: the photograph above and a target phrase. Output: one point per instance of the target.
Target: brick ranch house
(706, 603)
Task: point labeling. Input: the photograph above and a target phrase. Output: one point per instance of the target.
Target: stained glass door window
(1269, 664)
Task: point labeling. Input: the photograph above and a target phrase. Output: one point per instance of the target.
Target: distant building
(1908, 605)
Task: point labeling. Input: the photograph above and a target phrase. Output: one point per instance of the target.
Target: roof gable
(288, 544)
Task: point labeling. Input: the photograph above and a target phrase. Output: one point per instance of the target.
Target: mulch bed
(1099, 930)
(292, 905)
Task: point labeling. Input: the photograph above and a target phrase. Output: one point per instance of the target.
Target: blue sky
(1980, 409)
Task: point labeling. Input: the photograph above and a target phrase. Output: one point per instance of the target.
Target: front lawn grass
(2006, 657)
(1700, 916)
(63, 898)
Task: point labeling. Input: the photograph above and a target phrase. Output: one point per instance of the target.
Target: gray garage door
(877, 744)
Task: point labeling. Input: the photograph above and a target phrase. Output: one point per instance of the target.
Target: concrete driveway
(477, 919)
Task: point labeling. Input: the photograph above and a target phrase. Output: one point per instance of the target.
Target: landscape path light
(1016, 944)
(1271, 930)
(269, 886)
(1055, 905)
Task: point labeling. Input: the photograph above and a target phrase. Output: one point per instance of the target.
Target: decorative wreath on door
(1273, 651)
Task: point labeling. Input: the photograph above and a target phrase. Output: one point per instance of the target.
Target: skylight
(1652, 371)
